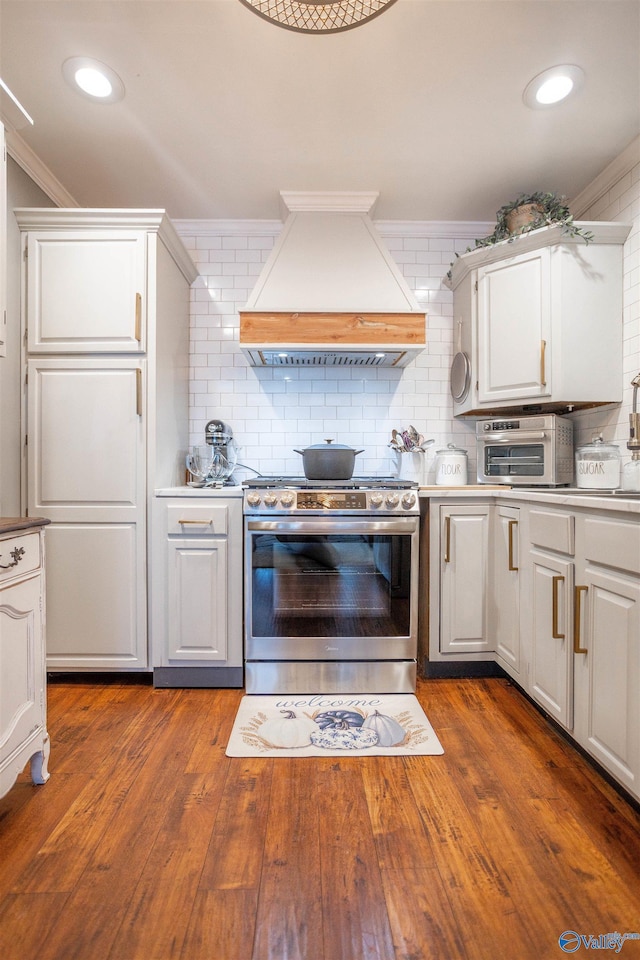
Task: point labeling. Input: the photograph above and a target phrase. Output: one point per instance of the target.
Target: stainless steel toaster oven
(525, 451)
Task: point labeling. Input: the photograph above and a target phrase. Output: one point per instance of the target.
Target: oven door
(331, 588)
(508, 458)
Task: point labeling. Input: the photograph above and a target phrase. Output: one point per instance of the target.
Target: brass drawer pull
(138, 330)
(576, 620)
(139, 392)
(16, 555)
(447, 539)
(555, 630)
(200, 523)
(512, 525)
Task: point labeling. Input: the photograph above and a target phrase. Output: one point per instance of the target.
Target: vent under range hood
(330, 293)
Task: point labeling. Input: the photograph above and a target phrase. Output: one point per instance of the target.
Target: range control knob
(253, 499)
(376, 499)
(288, 498)
(392, 499)
(270, 499)
(408, 500)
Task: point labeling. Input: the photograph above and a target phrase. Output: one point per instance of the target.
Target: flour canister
(598, 465)
(451, 466)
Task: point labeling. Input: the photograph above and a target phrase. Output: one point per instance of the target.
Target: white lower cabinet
(607, 646)
(23, 713)
(584, 631)
(552, 595)
(463, 575)
(196, 592)
(86, 473)
(505, 589)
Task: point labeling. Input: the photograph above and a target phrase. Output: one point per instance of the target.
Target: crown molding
(24, 156)
(443, 229)
(228, 228)
(618, 168)
(328, 201)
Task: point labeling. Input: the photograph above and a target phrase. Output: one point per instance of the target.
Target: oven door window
(514, 460)
(330, 585)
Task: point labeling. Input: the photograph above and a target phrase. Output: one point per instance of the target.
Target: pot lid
(452, 449)
(329, 445)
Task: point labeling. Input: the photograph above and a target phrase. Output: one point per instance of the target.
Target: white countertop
(210, 492)
(568, 497)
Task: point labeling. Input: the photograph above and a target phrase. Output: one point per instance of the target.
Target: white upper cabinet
(86, 291)
(540, 321)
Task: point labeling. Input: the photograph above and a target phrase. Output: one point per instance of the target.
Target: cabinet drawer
(19, 555)
(613, 543)
(552, 529)
(199, 520)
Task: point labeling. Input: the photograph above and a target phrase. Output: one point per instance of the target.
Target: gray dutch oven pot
(328, 461)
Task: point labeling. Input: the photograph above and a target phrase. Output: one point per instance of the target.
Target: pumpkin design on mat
(389, 731)
(343, 736)
(288, 731)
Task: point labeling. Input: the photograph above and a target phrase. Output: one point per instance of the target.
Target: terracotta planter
(522, 216)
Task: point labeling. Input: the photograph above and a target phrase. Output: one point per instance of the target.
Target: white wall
(274, 411)
(21, 192)
(619, 200)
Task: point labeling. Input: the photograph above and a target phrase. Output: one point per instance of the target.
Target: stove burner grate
(355, 483)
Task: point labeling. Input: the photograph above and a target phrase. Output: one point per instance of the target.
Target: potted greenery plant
(530, 211)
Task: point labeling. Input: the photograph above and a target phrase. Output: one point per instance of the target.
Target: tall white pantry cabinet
(106, 344)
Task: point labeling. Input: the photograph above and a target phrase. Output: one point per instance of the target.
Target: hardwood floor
(147, 843)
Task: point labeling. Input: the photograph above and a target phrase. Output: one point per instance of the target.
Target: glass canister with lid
(598, 465)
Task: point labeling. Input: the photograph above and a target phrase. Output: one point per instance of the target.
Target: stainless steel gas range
(331, 585)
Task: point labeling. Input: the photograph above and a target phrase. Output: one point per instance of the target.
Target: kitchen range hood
(330, 293)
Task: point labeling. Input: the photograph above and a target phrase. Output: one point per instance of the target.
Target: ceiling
(224, 109)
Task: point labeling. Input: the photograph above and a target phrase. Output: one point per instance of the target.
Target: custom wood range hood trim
(330, 292)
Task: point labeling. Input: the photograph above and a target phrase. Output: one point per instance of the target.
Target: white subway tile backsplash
(274, 411)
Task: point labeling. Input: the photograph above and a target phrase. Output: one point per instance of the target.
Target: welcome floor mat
(331, 725)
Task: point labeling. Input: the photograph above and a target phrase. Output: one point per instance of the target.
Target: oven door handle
(514, 437)
(335, 525)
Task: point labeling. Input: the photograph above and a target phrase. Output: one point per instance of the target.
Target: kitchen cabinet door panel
(514, 329)
(85, 291)
(85, 449)
(505, 612)
(464, 564)
(608, 674)
(96, 613)
(197, 581)
(551, 668)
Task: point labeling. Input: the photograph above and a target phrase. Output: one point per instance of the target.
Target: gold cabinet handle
(139, 392)
(576, 620)
(543, 350)
(200, 523)
(447, 539)
(512, 525)
(138, 330)
(555, 630)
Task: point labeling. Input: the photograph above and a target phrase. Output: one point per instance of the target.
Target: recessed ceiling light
(553, 85)
(93, 79)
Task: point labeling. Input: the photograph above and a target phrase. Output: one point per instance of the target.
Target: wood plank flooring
(148, 843)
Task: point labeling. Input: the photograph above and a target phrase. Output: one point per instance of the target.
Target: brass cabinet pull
(512, 525)
(447, 539)
(576, 620)
(543, 350)
(139, 392)
(200, 523)
(138, 330)
(555, 630)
